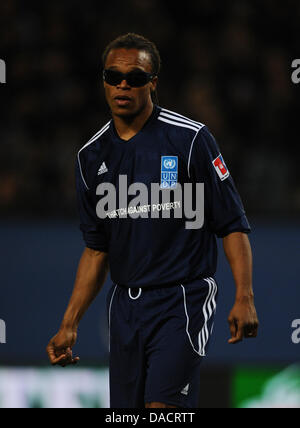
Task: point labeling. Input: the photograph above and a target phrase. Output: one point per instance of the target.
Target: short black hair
(135, 41)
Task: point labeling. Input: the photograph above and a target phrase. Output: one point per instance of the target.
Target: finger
(61, 357)
(232, 329)
(65, 363)
(51, 355)
(239, 334)
(70, 359)
(250, 331)
(59, 360)
(66, 360)
(232, 326)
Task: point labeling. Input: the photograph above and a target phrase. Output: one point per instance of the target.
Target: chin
(124, 112)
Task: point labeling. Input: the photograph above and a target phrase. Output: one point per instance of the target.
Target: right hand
(59, 349)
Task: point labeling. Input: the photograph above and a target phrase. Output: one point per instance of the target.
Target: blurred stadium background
(227, 64)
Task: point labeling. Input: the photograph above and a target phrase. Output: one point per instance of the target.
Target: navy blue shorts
(158, 337)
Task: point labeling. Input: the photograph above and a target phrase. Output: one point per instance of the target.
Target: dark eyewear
(135, 79)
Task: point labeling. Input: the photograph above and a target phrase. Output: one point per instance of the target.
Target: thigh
(178, 346)
(173, 376)
(126, 360)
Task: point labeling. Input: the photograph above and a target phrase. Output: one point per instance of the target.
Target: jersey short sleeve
(91, 226)
(224, 210)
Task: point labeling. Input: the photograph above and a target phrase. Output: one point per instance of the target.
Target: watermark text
(296, 72)
(2, 332)
(296, 332)
(185, 201)
(2, 71)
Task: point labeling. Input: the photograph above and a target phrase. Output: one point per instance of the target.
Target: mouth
(122, 100)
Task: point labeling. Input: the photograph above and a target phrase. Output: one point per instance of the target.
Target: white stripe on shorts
(109, 313)
(209, 309)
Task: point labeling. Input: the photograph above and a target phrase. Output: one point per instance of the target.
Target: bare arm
(242, 320)
(91, 275)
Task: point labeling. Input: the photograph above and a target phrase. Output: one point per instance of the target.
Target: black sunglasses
(135, 78)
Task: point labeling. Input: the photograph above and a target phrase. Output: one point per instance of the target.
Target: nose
(123, 84)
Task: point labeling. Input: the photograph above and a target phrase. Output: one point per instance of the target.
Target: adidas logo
(185, 390)
(102, 169)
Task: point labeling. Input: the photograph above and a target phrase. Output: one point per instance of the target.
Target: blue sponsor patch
(169, 172)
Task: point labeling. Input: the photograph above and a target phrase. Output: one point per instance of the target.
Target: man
(163, 299)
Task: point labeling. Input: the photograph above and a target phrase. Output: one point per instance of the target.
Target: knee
(157, 405)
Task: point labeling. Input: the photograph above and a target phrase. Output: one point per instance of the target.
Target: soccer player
(162, 301)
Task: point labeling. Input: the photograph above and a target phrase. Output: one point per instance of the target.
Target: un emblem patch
(169, 172)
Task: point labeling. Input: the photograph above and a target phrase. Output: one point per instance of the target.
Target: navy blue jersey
(150, 244)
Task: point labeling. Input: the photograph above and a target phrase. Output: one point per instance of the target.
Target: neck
(128, 126)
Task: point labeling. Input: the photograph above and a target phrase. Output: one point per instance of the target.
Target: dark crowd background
(224, 63)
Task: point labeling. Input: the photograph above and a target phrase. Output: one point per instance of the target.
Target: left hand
(243, 321)
(59, 349)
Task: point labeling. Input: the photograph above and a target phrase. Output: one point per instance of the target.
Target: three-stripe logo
(209, 308)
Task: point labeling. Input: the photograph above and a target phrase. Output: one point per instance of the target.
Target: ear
(153, 84)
